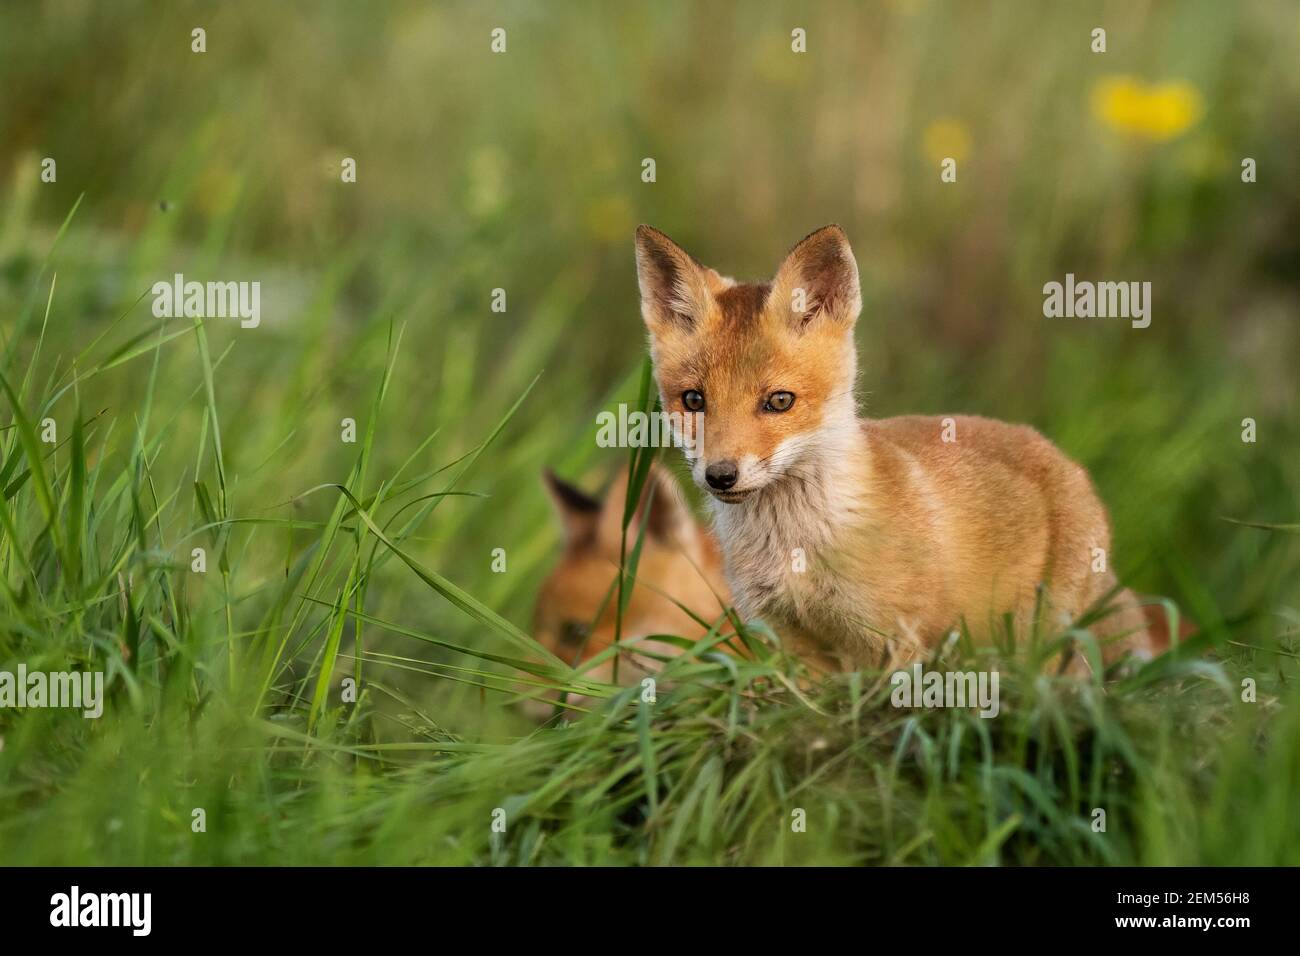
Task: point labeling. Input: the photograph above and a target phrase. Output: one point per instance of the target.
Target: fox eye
(693, 400)
(779, 402)
(573, 634)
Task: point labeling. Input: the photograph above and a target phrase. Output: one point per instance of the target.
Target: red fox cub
(680, 564)
(862, 542)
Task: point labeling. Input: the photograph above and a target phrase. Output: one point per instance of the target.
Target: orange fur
(862, 542)
(680, 564)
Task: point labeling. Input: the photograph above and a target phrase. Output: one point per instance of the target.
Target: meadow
(129, 440)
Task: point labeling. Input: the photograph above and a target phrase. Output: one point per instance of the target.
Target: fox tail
(1158, 628)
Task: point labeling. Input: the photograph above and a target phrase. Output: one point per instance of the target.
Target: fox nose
(721, 475)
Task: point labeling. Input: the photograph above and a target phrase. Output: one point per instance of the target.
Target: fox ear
(579, 512)
(675, 289)
(819, 278)
(670, 520)
(670, 517)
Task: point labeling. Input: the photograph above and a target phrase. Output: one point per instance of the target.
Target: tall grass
(225, 693)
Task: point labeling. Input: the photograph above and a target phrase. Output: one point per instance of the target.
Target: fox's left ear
(819, 279)
(579, 512)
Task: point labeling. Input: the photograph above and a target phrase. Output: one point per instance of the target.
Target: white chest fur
(780, 544)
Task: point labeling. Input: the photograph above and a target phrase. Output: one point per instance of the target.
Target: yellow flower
(1153, 112)
(946, 138)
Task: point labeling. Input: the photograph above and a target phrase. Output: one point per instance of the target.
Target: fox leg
(820, 657)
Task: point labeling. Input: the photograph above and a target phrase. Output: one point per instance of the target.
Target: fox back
(862, 542)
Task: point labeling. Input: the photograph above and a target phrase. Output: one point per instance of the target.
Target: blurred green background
(522, 171)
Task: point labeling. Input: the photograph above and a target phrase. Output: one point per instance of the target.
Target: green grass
(223, 697)
(370, 561)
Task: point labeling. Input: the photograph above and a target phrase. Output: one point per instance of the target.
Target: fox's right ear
(579, 512)
(670, 519)
(675, 289)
